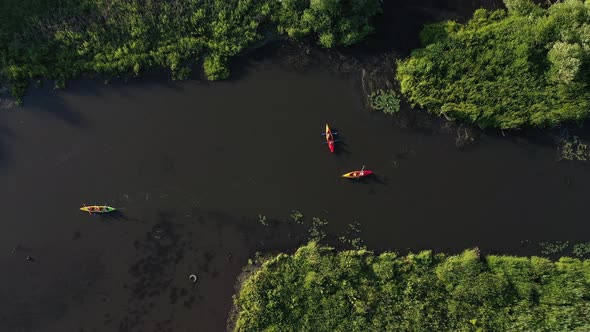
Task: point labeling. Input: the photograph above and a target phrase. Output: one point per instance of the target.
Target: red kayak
(329, 138)
(357, 174)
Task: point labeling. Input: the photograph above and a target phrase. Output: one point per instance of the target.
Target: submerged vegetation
(525, 66)
(555, 247)
(61, 39)
(573, 149)
(318, 289)
(386, 101)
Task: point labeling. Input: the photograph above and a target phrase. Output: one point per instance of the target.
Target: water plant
(385, 100)
(554, 247)
(352, 236)
(296, 216)
(262, 220)
(574, 149)
(317, 230)
(581, 249)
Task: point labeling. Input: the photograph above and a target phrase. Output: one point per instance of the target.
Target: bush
(215, 68)
(318, 289)
(334, 22)
(527, 67)
(61, 39)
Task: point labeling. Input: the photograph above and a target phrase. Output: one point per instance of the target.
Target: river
(193, 166)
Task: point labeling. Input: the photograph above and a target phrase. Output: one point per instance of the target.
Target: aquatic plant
(527, 66)
(317, 230)
(319, 289)
(262, 220)
(386, 101)
(581, 249)
(352, 236)
(555, 247)
(296, 216)
(574, 149)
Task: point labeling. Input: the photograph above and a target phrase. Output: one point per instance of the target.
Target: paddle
(361, 173)
(90, 213)
(334, 133)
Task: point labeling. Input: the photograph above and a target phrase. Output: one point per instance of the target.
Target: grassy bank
(525, 66)
(62, 39)
(318, 289)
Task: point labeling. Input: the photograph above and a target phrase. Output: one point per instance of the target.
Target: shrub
(527, 67)
(318, 289)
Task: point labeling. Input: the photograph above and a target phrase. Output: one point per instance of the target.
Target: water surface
(192, 165)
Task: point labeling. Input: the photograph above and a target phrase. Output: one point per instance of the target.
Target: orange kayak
(357, 174)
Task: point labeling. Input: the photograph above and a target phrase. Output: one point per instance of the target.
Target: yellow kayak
(97, 209)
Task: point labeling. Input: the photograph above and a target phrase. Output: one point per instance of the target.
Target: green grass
(318, 289)
(62, 39)
(527, 66)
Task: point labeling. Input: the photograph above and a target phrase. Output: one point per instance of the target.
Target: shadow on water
(398, 27)
(212, 246)
(44, 100)
(5, 134)
(116, 215)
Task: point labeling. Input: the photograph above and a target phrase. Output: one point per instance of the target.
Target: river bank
(319, 289)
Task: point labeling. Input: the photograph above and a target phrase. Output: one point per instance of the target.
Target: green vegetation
(296, 216)
(317, 231)
(61, 39)
(574, 149)
(555, 247)
(317, 289)
(352, 236)
(335, 22)
(262, 220)
(386, 101)
(581, 249)
(528, 66)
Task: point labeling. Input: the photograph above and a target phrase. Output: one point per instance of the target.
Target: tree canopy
(318, 289)
(525, 66)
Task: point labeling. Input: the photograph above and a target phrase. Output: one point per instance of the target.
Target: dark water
(193, 165)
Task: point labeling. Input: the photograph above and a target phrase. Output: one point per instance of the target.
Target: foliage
(262, 220)
(334, 22)
(581, 249)
(386, 101)
(317, 231)
(61, 39)
(296, 216)
(318, 289)
(352, 236)
(555, 247)
(528, 66)
(574, 149)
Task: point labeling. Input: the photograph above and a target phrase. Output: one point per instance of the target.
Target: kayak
(97, 209)
(329, 138)
(357, 174)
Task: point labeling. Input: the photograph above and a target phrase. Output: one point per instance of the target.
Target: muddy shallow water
(193, 166)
